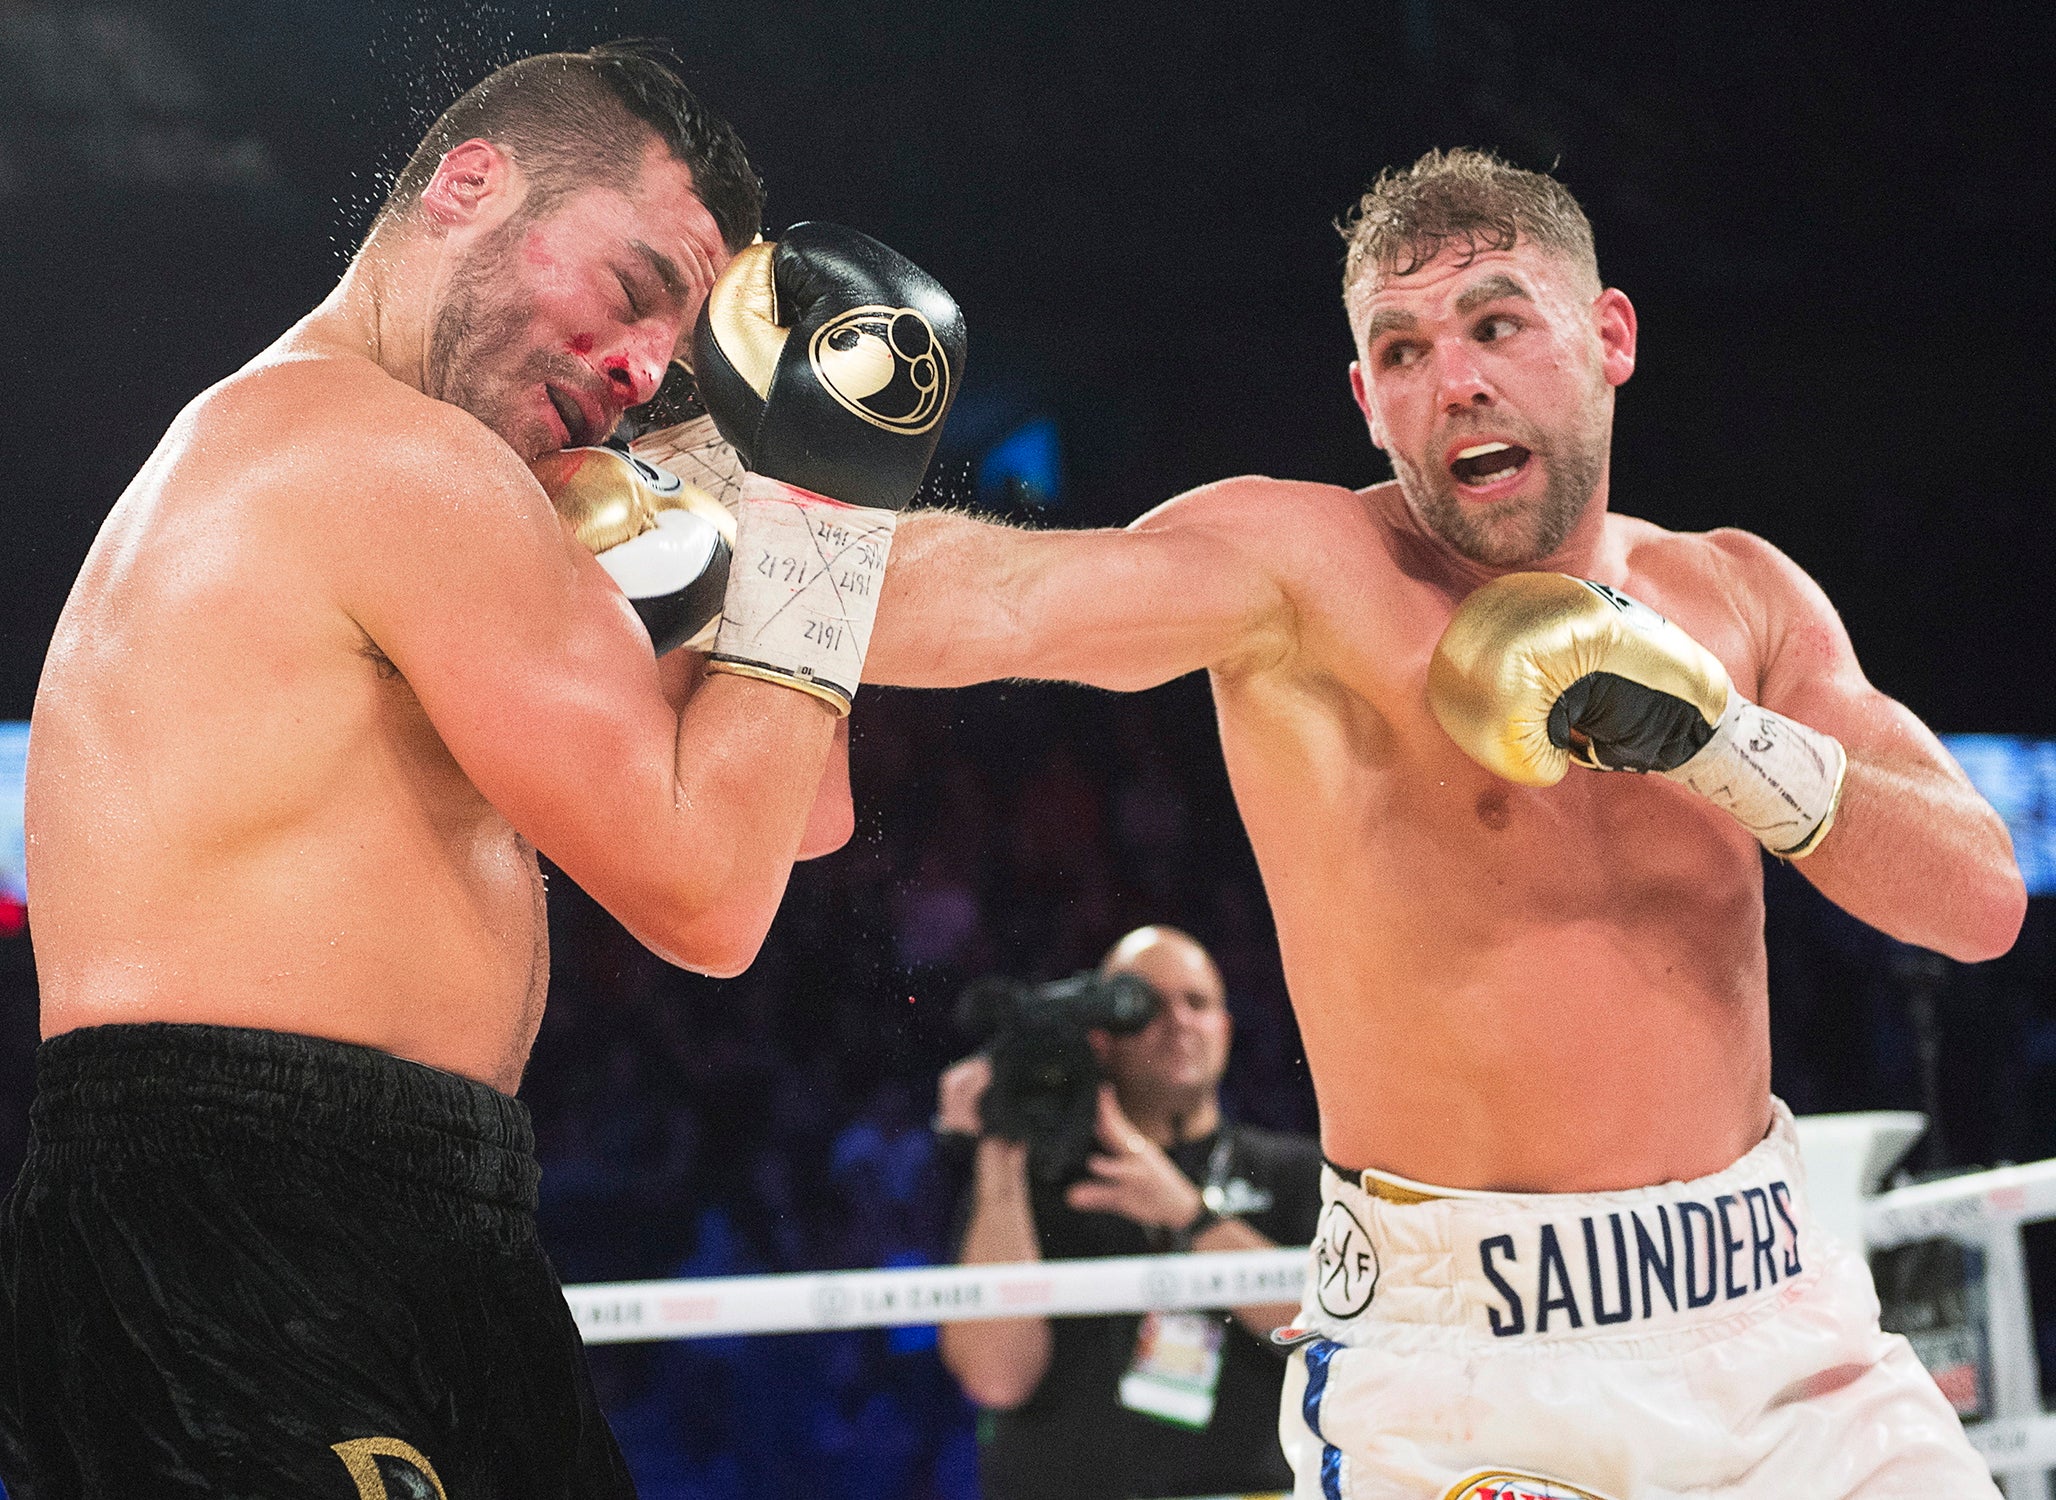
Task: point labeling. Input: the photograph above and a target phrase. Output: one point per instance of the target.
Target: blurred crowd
(779, 1122)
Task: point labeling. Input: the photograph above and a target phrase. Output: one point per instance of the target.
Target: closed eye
(635, 312)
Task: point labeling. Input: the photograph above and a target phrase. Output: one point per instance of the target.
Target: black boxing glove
(829, 362)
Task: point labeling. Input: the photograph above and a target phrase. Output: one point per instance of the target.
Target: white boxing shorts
(1699, 1339)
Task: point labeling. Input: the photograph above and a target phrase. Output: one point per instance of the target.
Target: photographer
(1137, 1406)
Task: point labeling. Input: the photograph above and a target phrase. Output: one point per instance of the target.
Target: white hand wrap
(803, 590)
(1777, 778)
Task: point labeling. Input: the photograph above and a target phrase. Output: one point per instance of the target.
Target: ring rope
(624, 1312)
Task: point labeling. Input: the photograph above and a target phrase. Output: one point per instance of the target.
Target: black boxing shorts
(251, 1265)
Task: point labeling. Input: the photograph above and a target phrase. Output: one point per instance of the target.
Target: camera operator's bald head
(1166, 958)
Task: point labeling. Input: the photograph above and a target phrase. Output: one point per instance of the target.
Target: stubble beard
(485, 315)
(1157, 1083)
(1521, 529)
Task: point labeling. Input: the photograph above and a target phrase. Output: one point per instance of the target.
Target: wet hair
(579, 119)
(1464, 199)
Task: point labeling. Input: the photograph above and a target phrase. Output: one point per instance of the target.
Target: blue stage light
(14, 754)
(1024, 467)
(2018, 777)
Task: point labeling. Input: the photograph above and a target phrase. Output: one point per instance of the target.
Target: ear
(1614, 316)
(1362, 393)
(473, 179)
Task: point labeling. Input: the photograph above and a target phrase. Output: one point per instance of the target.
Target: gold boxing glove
(1538, 669)
(665, 542)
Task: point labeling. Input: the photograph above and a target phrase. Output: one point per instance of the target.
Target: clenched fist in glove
(1538, 669)
(829, 362)
(667, 544)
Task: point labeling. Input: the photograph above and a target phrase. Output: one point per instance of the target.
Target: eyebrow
(665, 267)
(1388, 320)
(1491, 289)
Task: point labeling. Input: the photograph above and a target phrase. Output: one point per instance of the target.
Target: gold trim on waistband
(1388, 1191)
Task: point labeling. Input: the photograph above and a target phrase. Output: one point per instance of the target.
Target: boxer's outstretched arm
(682, 822)
(1188, 586)
(1914, 851)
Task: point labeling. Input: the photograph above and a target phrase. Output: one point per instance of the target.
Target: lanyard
(1215, 1190)
(1176, 1367)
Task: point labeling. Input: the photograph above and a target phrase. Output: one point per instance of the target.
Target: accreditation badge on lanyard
(1176, 1368)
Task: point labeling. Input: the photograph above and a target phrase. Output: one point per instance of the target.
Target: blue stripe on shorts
(1319, 1354)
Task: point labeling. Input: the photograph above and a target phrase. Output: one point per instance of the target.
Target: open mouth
(1483, 465)
(577, 430)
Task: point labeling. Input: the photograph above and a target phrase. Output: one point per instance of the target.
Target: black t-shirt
(1073, 1439)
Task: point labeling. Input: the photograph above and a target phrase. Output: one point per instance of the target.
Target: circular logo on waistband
(885, 365)
(1345, 1263)
(1507, 1484)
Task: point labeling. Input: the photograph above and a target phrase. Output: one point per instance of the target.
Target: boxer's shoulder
(1281, 524)
(1247, 498)
(335, 447)
(1725, 557)
(293, 388)
(1317, 544)
(1734, 592)
(314, 410)
(1726, 572)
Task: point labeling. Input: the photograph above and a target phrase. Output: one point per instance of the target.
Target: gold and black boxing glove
(829, 362)
(1537, 670)
(668, 544)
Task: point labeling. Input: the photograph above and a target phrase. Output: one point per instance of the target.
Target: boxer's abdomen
(1502, 987)
(239, 815)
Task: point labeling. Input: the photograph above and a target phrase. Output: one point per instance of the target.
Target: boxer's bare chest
(316, 860)
(1422, 903)
(1349, 718)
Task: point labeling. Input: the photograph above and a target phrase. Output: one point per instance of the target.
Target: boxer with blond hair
(1510, 761)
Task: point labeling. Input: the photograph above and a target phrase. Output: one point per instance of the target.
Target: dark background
(1836, 227)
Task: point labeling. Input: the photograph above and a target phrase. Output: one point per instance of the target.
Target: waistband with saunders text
(1537, 1265)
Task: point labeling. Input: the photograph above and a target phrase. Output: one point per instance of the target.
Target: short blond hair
(1466, 199)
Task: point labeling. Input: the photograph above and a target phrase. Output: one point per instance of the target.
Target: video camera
(1045, 1075)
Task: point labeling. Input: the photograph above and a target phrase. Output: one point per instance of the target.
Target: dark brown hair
(1466, 199)
(576, 119)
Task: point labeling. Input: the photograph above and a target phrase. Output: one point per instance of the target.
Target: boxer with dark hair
(577, 120)
(333, 673)
(1565, 1249)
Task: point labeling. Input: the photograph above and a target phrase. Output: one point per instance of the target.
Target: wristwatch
(1205, 1219)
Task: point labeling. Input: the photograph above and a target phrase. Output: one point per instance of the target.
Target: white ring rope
(627, 1311)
